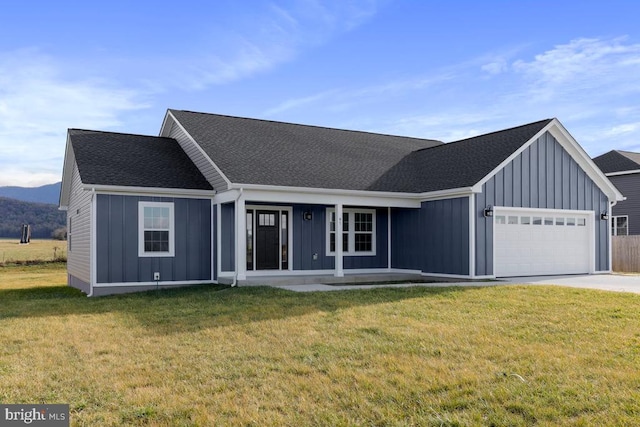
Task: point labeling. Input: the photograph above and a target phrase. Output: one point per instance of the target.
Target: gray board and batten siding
(79, 235)
(117, 241)
(525, 182)
(309, 238)
(432, 239)
(629, 185)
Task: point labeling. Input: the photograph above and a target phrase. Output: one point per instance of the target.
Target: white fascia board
(164, 129)
(452, 193)
(326, 196)
(226, 197)
(564, 138)
(67, 175)
(193, 141)
(629, 172)
(149, 191)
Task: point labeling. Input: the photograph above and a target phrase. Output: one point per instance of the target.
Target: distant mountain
(43, 218)
(45, 194)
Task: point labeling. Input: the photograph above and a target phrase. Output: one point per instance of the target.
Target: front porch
(331, 279)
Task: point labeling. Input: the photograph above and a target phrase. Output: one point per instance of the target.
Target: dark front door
(267, 240)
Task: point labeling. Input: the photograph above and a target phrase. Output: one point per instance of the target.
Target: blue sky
(435, 69)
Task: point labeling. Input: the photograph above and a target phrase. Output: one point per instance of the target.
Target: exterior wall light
(307, 216)
(604, 216)
(488, 211)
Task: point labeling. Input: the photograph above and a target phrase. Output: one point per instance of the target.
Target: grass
(214, 355)
(11, 251)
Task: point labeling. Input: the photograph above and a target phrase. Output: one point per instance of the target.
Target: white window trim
(141, 230)
(614, 226)
(351, 232)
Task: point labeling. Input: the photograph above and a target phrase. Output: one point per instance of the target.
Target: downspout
(609, 238)
(93, 235)
(235, 275)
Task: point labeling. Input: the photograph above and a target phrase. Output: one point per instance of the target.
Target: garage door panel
(539, 242)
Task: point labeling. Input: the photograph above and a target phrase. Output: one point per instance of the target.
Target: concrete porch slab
(356, 279)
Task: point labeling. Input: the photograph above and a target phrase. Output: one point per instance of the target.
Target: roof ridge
(309, 126)
(118, 133)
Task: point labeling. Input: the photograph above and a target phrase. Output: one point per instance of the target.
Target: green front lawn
(259, 356)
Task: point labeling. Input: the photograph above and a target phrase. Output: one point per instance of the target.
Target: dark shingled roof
(108, 158)
(251, 151)
(457, 164)
(618, 161)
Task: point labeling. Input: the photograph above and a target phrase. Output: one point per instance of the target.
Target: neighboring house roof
(457, 164)
(118, 159)
(262, 152)
(618, 161)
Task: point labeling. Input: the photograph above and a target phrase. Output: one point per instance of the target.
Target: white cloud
(591, 85)
(274, 35)
(495, 67)
(38, 104)
(342, 99)
(608, 66)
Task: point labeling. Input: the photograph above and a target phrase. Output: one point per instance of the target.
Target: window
(537, 220)
(559, 221)
(500, 219)
(267, 219)
(249, 221)
(358, 232)
(571, 221)
(512, 220)
(620, 225)
(156, 229)
(284, 240)
(525, 220)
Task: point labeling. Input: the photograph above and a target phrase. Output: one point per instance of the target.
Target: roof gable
(117, 159)
(261, 152)
(618, 161)
(457, 164)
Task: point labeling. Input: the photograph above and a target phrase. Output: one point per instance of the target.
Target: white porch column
(241, 239)
(389, 238)
(339, 257)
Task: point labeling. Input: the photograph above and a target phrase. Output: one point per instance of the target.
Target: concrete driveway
(606, 282)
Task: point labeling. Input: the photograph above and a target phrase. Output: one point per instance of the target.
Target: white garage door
(538, 242)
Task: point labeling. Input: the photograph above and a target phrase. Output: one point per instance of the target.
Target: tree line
(45, 219)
